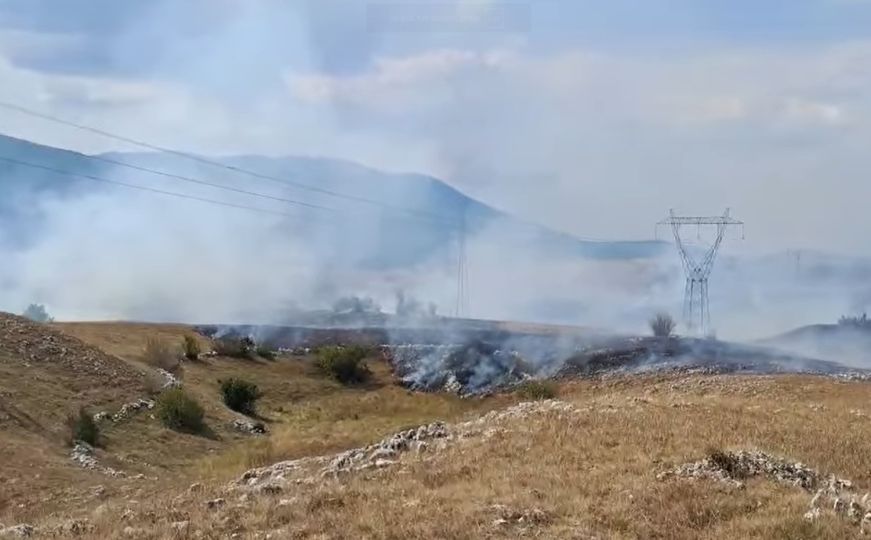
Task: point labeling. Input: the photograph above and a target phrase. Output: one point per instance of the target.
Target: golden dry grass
(588, 475)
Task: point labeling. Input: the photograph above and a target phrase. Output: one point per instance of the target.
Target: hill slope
(847, 344)
(403, 237)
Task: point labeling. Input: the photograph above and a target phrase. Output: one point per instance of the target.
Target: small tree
(345, 364)
(37, 313)
(191, 347)
(82, 427)
(160, 355)
(662, 325)
(240, 396)
(180, 412)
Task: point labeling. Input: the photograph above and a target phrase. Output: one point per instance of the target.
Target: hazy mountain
(416, 215)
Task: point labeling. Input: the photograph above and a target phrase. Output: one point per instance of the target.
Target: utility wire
(143, 188)
(215, 163)
(206, 183)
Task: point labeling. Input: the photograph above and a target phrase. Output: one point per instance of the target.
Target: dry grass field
(591, 472)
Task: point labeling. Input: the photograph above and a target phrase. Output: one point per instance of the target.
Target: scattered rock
(76, 527)
(215, 503)
(171, 381)
(129, 409)
(250, 427)
(18, 531)
(181, 527)
(733, 467)
(133, 532)
(85, 456)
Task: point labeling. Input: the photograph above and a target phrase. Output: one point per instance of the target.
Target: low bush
(240, 396)
(344, 364)
(533, 390)
(180, 412)
(265, 352)
(662, 325)
(233, 347)
(82, 427)
(191, 348)
(160, 355)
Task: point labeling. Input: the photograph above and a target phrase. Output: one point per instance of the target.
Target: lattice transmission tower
(698, 266)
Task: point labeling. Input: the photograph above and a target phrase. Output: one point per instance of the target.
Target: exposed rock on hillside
(426, 438)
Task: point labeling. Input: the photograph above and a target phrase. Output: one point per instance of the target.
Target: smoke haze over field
(588, 118)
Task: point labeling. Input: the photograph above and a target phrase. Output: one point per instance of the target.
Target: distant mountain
(416, 215)
(845, 343)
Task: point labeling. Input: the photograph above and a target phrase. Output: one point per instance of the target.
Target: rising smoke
(543, 137)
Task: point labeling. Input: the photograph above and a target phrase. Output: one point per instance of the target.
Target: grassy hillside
(589, 468)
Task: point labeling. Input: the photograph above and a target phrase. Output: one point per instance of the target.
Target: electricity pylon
(697, 313)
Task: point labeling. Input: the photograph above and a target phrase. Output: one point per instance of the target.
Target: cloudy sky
(594, 117)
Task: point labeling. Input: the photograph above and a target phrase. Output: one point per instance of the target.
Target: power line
(215, 163)
(144, 188)
(204, 182)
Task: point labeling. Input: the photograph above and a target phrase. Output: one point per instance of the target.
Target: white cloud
(805, 111)
(396, 83)
(602, 144)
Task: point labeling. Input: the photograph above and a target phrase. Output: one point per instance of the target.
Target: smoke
(587, 141)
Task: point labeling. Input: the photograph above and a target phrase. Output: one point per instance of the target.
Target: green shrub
(83, 428)
(265, 352)
(345, 364)
(179, 411)
(233, 347)
(191, 348)
(240, 396)
(160, 355)
(537, 390)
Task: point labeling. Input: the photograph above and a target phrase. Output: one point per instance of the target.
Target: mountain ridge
(412, 192)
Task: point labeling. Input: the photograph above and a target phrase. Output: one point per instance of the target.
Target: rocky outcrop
(830, 492)
(85, 456)
(250, 427)
(17, 531)
(389, 451)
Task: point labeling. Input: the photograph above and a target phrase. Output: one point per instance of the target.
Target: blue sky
(594, 118)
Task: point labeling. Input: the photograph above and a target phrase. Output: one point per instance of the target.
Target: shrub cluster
(344, 364)
(662, 325)
(160, 355)
(534, 390)
(82, 428)
(240, 396)
(180, 412)
(233, 347)
(191, 348)
(265, 352)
